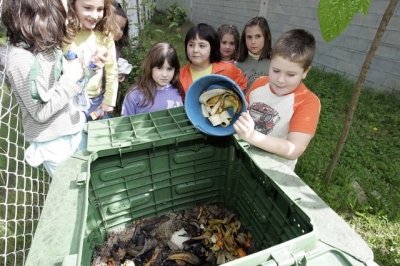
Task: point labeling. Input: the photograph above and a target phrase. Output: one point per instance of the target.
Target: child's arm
(290, 148)
(121, 78)
(129, 104)
(124, 68)
(110, 95)
(64, 89)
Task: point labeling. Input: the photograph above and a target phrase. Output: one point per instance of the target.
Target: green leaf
(335, 15)
(360, 214)
(173, 25)
(364, 6)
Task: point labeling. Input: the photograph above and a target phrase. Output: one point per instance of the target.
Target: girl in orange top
(202, 47)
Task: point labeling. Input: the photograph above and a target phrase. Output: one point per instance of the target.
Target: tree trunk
(357, 89)
(138, 14)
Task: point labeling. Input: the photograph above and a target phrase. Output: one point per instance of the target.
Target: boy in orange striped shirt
(283, 113)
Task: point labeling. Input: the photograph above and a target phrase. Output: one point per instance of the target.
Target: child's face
(198, 52)
(285, 76)
(255, 39)
(162, 76)
(89, 12)
(121, 21)
(228, 46)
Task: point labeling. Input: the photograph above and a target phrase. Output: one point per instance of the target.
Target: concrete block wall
(345, 54)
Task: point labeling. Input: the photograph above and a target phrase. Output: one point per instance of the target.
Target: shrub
(176, 15)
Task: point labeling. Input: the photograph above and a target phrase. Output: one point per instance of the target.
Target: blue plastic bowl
(193, 106)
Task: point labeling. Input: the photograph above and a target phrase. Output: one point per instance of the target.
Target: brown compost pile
(202, 235)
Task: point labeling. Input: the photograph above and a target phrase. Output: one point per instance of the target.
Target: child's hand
(73, 69)
(106, 109)
(121, 78)
(99, 58)
(244, 126)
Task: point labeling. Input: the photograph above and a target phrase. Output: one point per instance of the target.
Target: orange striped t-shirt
(277, 115)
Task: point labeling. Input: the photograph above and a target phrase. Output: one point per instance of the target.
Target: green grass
(370, 156)
(19, 187)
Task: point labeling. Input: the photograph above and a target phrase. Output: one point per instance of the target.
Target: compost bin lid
(140, 131)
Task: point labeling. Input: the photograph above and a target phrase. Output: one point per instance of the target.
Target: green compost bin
(150, 164)
(168, 166)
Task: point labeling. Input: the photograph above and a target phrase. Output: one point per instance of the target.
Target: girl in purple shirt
(158, 87)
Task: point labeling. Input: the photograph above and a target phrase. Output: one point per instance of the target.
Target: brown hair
(125, 40)
(297, 46)
(39, 24)
(230, 29)
(266, 51)
(106, 25)
(156, 57)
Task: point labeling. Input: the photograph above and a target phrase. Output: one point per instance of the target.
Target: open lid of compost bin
(141, 131)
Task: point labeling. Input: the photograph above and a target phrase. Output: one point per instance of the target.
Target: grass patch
(22, 187)
(370, 158)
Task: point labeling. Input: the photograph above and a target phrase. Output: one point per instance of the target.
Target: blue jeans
(94, 104)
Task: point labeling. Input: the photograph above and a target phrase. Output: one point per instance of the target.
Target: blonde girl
(93, 24)
(229, 41)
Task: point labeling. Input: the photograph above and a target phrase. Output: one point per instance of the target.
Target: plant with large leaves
(334, 16)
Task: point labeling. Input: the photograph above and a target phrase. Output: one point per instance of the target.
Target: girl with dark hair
(121, 39)
(158, 87)
(254, 49)
(43, 84)
(202, 48)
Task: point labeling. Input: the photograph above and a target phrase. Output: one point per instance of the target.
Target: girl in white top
(42, 82)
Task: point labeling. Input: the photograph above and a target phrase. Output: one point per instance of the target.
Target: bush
(176, 15)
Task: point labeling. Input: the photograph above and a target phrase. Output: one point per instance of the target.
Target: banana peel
(207, 95)
(231, 101)
(216, 102)
(185, 256)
